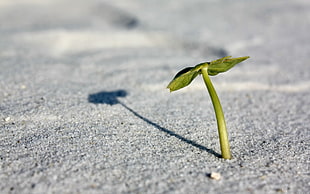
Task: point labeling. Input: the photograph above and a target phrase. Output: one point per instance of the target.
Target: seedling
(187, 75)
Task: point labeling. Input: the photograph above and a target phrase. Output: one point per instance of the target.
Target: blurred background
(268, 31)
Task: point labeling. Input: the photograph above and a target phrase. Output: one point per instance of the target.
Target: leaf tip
(169, 88)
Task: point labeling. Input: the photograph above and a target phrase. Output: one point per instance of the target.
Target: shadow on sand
(111, 99)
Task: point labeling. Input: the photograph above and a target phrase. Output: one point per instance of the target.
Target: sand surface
(84, 106)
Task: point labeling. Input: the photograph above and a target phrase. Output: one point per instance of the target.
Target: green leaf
(224, 64)
(185, 77)
(182, 79)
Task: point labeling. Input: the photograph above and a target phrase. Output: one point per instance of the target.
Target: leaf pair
(187, 75)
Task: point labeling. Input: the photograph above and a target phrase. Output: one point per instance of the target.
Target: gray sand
(84, 108)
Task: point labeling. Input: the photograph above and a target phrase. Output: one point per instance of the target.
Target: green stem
(225, 149)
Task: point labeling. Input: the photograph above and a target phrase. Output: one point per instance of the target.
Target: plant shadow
(111, 99)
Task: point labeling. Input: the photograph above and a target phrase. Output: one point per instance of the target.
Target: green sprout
(187, 75)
